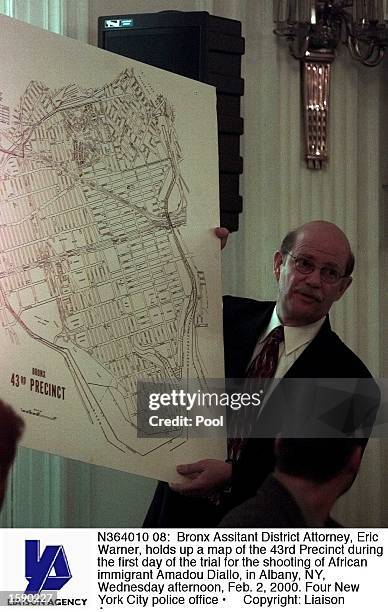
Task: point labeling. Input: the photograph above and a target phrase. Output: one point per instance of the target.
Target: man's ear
(345, 284)
(354, 461)
(277, 262)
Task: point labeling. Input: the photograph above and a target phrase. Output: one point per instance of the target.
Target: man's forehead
(307, 249)
(330, 247)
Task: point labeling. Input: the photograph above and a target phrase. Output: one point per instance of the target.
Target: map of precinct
(100, 284)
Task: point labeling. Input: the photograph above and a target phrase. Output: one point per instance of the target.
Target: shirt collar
(294, 337)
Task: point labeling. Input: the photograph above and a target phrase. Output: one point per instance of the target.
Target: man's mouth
(309, 296)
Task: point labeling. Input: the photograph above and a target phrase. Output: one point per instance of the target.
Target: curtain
(68, 17)
(279, 193)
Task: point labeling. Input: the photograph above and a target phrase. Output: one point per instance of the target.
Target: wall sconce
(313, 29)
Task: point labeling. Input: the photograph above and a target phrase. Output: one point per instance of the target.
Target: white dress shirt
(296, 339)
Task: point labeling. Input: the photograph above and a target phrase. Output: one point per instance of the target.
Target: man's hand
(222, 233)
(204, 477)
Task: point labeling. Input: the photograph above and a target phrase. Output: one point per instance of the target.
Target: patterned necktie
(263, 366)
(265, 363)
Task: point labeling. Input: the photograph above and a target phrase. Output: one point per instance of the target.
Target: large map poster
(109, 269)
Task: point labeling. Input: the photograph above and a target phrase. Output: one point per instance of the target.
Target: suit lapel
(245, 336)
(240, 345)
(310, 363)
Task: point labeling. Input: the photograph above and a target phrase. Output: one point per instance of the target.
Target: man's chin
(305, 310)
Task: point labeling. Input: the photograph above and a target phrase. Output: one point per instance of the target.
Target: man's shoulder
(343, 356)
(242, 306)
(272, 506)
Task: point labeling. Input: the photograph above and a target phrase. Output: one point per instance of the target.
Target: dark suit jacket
(272, 506)
(325, 357)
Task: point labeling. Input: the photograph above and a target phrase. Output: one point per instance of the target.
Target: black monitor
(166, 40)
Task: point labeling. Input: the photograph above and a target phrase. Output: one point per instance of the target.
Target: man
(309, 476)
(11, 429)
(313, 269)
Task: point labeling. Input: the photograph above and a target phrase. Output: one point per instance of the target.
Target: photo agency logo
(48, 571)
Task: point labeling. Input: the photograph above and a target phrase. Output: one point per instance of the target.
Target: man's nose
(314, 279)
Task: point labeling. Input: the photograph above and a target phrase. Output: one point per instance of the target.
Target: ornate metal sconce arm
(368, 54)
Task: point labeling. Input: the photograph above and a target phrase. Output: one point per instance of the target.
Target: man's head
(11, 428)
(320, 460)
(313, 268)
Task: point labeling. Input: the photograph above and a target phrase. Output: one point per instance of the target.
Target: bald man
(313, 269)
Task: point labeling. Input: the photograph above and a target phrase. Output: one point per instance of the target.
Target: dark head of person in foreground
(309, 476)
(11, 429)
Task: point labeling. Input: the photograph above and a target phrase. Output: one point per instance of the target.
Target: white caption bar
(125, 569)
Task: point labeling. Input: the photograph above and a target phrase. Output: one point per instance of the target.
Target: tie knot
(276, 335)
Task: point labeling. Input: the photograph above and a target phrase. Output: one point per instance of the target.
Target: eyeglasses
(331, 276)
